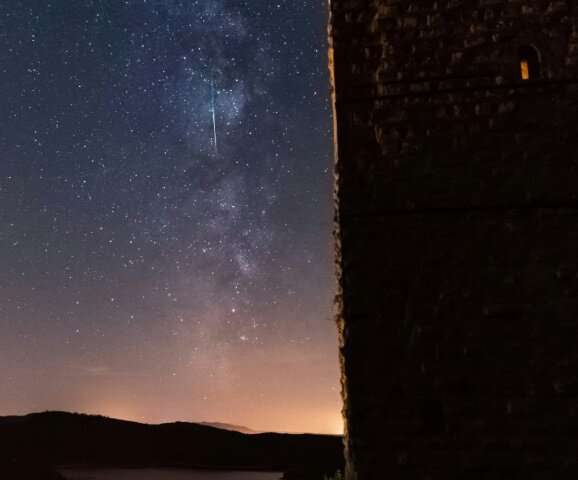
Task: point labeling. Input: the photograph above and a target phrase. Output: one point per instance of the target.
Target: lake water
(165, 474)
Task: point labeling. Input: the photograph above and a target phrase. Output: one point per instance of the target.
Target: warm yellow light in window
(525, 69)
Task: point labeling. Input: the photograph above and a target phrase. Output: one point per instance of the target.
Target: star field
(165, 234)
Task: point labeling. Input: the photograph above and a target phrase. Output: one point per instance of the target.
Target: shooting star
(215, 144)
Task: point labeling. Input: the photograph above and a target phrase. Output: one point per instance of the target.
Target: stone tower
(456, 127)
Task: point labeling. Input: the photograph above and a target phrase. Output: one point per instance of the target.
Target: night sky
(165, 192)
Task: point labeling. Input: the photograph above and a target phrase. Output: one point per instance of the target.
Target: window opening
(529, 59)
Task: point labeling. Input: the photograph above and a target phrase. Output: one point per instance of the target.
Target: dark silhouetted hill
(59, 438)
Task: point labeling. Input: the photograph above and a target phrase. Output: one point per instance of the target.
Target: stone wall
(457, 237)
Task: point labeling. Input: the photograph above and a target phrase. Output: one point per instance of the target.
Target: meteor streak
(215, 144)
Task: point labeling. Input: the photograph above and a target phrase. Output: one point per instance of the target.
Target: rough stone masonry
(456, 125)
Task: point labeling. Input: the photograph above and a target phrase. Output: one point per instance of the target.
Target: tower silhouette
(456, 129)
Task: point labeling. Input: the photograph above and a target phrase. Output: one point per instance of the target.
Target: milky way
(166, 211)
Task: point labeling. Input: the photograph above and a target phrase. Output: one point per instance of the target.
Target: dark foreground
(165, 474)
(92, 441)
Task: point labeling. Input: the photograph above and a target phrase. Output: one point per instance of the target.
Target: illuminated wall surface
(457, 133)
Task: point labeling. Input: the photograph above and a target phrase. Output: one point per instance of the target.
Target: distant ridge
(62, 438)
(230, 427)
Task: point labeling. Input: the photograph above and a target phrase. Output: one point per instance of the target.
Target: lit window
(525, 69)
(529, 63)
